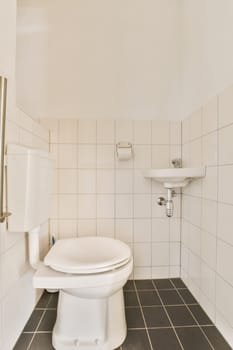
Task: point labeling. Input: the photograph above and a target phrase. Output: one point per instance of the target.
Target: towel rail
(3, 97)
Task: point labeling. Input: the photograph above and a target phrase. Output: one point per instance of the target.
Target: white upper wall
(152, 59)
(104, 59)
(207, 51)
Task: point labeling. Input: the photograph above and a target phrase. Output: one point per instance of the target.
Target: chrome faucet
(177, 162)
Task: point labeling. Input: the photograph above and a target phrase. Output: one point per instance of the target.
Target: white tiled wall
(95, 194)
(207, 230)
(17, 296)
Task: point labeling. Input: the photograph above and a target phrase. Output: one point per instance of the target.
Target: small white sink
(174, 177)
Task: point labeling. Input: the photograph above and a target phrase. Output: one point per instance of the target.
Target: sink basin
(174, 177)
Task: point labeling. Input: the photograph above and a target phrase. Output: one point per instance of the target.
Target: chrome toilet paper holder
(124, 150)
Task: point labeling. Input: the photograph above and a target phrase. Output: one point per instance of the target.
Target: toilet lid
(87, 255)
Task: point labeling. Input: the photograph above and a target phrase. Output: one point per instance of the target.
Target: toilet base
(89, 324)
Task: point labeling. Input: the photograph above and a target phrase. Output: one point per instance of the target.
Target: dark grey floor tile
(42, 341)
(134, 318)
(187, 296)
(164, 339)
(48, 321)
(33, 321)
(23, 341)
(163, 284)
(131, 299)
(129, 285)
(136, 340)
(200, 315)
(144, 284)
(170, 297)
(180, 316)
(216, 338)
(193, 339)
(178, 283)
(53, 300)
(155, 316)
(149, 298)
(43, 302)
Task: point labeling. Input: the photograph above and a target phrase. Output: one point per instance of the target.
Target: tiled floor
(161, 315)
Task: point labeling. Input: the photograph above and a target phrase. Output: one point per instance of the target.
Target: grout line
(199, 326)
(164, 308)
(38, 325)
(148, 336)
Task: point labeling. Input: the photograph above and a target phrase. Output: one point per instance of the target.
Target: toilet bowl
(89, 273)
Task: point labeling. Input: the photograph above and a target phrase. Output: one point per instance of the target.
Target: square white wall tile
(142, 157)
(87, 131)
(224, 256)
(225, 190)
(160, 132)
(195, 153)
(105, 181)
(67, 229)
(142, 254)
(224, 229)
(210, 184)
(210, 149)
(67, 156)
(160, 254)
(160, 230)
(175, 229)
(224, 300)
(142, 273)
(86, 206)
(226, 107)
(124, 230)
(124, 206)
(105, 157)
(174, 253)
(195, 239)
(142, 230)
(142, 206)
(68, 131)
(160, 272)
(124, 130)
(196, 125)
(105, 206)
(208, 277)
(210, 116)
(86, 181)
(87, 157)
(124, 181)
(67, 183)
(209, 216)
(226, 145)
(67, 208)
(160, 157)
(208, 249)
(186, 130)
(141, 184)
(142, 132)
(105, 228)
(105, 132)
(194, 273)
(175, 133)
(87, 227)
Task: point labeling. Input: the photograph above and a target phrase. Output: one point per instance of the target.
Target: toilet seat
(87, 255)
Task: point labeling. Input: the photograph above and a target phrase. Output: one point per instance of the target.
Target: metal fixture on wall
(168, 203)
(3, 97)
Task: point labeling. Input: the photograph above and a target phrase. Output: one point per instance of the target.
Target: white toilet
(90, 273)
